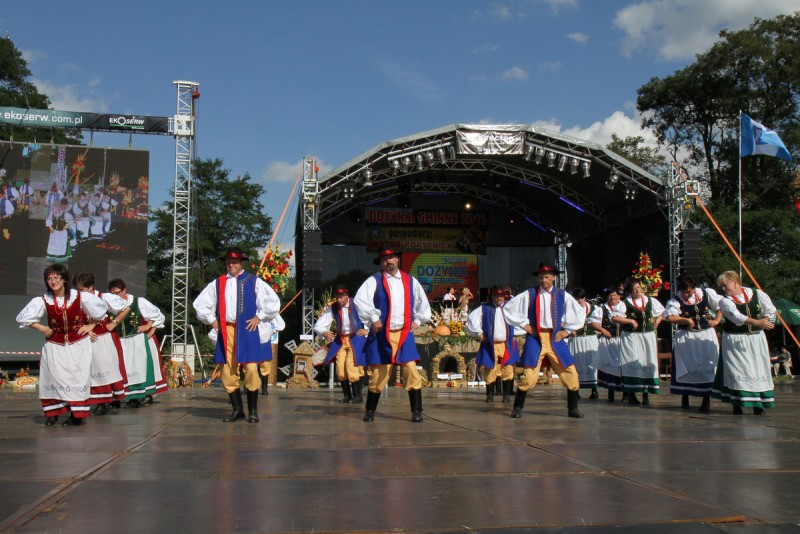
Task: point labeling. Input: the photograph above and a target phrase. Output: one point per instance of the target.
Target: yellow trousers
(568, 375)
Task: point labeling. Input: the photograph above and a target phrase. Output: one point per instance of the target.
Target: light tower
(183, 127)
(308, 204)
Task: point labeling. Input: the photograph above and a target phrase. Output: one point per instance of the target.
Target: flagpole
(740, 191)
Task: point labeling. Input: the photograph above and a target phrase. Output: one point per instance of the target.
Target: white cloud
(283, 172)
(558, 5)
(680, 29)
(70, 97)
(515, 73)
(550, 65)
(578, 37)
(32, 56)
(500, 11)
(600, 131)
(486, 49)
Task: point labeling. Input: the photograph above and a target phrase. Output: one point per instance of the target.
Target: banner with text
(437, 272)
(454, 232)
(492, 142)
(49, 118)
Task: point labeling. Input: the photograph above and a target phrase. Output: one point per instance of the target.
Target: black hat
(497, 291)
(234, 253)
(546, 268)
(340, 291)
(383, 252)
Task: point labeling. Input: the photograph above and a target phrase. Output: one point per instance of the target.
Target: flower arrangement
(649, 277)
(275, 269)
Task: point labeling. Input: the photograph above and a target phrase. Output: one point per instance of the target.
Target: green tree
(695, 112)
(16, 90)
(227, 212)
(633, 149)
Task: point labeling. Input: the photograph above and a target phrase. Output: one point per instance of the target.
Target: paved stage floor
(312, 465)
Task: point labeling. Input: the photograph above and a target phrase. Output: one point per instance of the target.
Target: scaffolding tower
(309, 193)
(183, 127)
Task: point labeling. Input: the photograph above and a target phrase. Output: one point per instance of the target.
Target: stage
(312, 465)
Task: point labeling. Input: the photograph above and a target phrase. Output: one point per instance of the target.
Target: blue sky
(329, 80)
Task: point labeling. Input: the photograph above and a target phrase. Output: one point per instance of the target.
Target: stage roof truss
(431, 162)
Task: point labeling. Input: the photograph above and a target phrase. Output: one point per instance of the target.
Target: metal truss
(309, 193)
(182, 126)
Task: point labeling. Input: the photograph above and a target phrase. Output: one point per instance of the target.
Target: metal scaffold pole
(183, 127)
(308, 202)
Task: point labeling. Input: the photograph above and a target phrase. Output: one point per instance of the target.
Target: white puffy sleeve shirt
(205, 305)
(731, 313)
(94, 307)
(364, 300)
(573, 318)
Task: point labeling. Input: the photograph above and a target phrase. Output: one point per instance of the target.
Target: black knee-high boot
(415, 399)
(705, 407)
(519, 402)
(252, 406)
(348, 395)
(238, 408)
(498, 386)
(572, 404)
(508, 389)
(356, 389)
(372, 404)
(489, 392)
(264, 383)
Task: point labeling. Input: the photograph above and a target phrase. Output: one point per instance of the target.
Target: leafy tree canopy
(695, 112)
(227, 213)
(16, 90)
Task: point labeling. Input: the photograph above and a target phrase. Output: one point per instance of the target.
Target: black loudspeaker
(312, 259)
(689, 252)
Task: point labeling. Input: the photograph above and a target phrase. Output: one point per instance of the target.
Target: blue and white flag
(758, 139)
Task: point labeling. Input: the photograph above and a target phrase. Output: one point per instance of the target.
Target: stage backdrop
(83, 207)
(437, 272)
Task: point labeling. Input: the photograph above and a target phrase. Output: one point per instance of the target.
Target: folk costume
(638, 349)
(583, 345)
(744, 377)
(498, 353)
(59, 245)
(108, 364)
(230, 302)
(347, 347)
(609, 370)
(398, 302)
(65, 366)
(546, 313)
(695, 351)
(140, 352)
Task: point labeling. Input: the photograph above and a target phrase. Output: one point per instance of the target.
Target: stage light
(467, 205)
(539, 155)
(429, 155)
(367, 177)
(452, 150)
(406, 164)
(630, 193)
(573, 166)
(420, 162)
(562, 163)
(395, 165)
(348, 190)
(610, 185)
(585, 167)
(416, 184)
(612, 180)
(529, 152)
(441, 156)
(551, 159)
